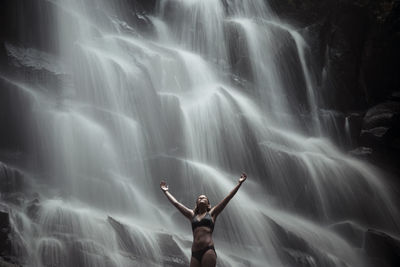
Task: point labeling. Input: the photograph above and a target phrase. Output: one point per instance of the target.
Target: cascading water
(136, 108)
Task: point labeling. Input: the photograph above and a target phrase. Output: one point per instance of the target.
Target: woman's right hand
(164, 186)
(242, 178)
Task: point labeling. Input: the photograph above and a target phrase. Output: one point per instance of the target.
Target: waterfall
(135, 107)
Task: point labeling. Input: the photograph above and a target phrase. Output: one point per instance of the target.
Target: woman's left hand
(242, 178)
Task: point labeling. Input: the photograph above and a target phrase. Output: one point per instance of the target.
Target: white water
(136, 109)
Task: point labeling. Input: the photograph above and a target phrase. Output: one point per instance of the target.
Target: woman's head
(202, 202)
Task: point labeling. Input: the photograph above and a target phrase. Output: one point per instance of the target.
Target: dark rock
(127, 244)
(381, 128)
(7, 264)
(29, 23)
(345, 32)
(302, 12)
(395, 96)
(238, 51)
(33, 208)
(5, 230)
(355, 44)
(10, 241)
(172, 253)
(34, 67)
(362, 152)
(382, 247)
(148, 5)
(355, 120)
(300, 259)
(296, 251)
(15, 198)
(12, 185)
(385, 114)
(374, 136)
(380, 263)
(15, 106)
(350, 231)
(81, 251)
(11, 180)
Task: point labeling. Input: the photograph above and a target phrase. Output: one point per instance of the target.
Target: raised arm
(188, 213)
(220, 207)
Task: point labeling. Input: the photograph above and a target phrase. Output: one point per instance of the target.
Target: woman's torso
(202, 226)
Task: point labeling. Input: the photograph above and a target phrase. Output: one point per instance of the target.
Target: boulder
(362, 152)
(350, 231)
(299, 258)
(295, 251)
(380, 246)
(375, 136)
(173, 255)
(126, 242)
(385, 114)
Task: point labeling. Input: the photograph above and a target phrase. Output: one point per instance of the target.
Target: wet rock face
(5, 241)
(357, 59)
(355, 44)
(381, 248)
(33, 29)
(12, 183)
(122, 233)
(11, 180)
(29, 49)
(346, 32)
(148, 5)
(5, 246)
(380, 133)
(32, 23)
(238, 51)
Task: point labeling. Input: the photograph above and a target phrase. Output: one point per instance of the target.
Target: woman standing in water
(203, 218)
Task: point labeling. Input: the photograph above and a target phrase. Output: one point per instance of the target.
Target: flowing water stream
(134, 108)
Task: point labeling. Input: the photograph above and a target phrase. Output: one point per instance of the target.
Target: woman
(203, 219)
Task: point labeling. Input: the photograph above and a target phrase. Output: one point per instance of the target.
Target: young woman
(203, 218)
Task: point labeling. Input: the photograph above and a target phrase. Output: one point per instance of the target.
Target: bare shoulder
(191, 214)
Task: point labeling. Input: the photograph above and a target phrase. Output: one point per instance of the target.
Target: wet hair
(196, 208)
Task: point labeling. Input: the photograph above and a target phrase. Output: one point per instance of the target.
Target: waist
(202, 238)
(204, 248)
(204, 228)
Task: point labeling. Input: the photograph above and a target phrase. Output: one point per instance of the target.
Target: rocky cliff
(357, 62)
